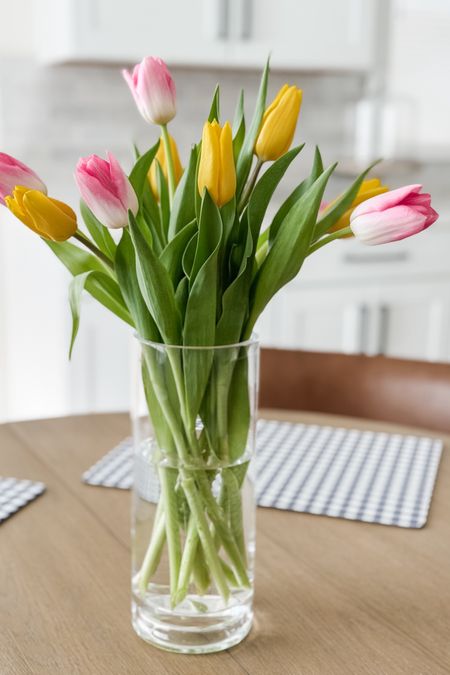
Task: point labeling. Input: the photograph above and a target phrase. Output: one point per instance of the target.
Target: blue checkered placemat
(15, 493)
(372, 476)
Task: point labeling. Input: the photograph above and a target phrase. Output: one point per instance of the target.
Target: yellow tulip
(369, 188)
(217, 172)
(278, 124)
(47, 217)
(161, 158)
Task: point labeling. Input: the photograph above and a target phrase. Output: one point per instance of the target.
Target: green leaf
(200, 318)
(149, 220)
(74, 258)
(214, 112)
(126, 274)
(164, 202)
(75, 290)
(99, 233)
(136, 151)
(230, 223)
(187, 261)
(235, 299)
(183, 207)
(197, 196)
(246, 155)
(138, 175)
(284, 209)
(289, 249)
(209, 227)
(156, 287)
(239, 126)
(160, 425)
(181, 296)
(239, 408)
(102, 286)
(264, 189)
(341, 205)
(172, 255)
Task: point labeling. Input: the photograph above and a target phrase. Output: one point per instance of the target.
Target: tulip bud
(160, 157)
(13, 172)
(153, 90)
(368, 189)
(393, 216)
(47, 217)
(106, 190)
(278, 124)
(217, 172)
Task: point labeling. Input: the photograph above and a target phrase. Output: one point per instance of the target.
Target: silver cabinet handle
(383, 329)
(373, 258)
(363, 340)
(246, 19)
(221, 19)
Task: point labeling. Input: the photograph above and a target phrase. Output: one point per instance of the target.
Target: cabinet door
(318, 320)
(404, 320)
(307, 35)
(413, 322)
(181, 32)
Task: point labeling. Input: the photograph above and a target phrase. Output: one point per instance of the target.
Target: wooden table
(332, 596)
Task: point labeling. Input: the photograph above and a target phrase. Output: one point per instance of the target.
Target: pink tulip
(393, 215)
(106, 190)
(13, 173)
(153, 90)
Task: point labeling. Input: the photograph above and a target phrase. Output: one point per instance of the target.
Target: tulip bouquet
(194, 266)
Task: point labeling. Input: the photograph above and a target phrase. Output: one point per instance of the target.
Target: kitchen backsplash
(50, 116)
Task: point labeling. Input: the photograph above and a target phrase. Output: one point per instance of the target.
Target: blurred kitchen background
(375, 81)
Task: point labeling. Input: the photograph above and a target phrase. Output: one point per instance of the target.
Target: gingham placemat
(15, 493)
(360, 475)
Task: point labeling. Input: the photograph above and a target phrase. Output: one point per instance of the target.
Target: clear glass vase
(193, 520)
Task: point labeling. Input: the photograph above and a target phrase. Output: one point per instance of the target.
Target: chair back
(414, 393)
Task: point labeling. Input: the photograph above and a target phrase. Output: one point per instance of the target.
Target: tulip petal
(208, 172)
(279, 123)
(104, 205)
(106, 190)
(381, 227)
(14, 172)
(48, 218)
(121, 185)
(386, 200)
(431, 217)
(227, 177)
(17, 210)
(153, 90)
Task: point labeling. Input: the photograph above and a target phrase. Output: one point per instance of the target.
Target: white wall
(418, 75)
(17, 28)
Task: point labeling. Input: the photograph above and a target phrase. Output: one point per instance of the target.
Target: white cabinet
(300, 34)
(393, 301)
(116, 31)
(304, 34)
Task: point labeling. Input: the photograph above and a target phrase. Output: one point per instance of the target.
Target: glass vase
(193, 513)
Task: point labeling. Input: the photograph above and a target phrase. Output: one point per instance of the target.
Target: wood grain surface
(333, 597)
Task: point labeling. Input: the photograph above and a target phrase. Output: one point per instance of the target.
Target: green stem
(345, 232)
(200, 571)
(154, 551)
(172, 528)
(250, 185)
(187, 559)
(204, 533)
(92, 247)
(217, 517)
(169, 161)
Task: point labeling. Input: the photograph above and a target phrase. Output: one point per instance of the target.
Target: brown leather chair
(415, 393)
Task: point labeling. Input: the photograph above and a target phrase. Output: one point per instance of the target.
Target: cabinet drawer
(425, 255)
